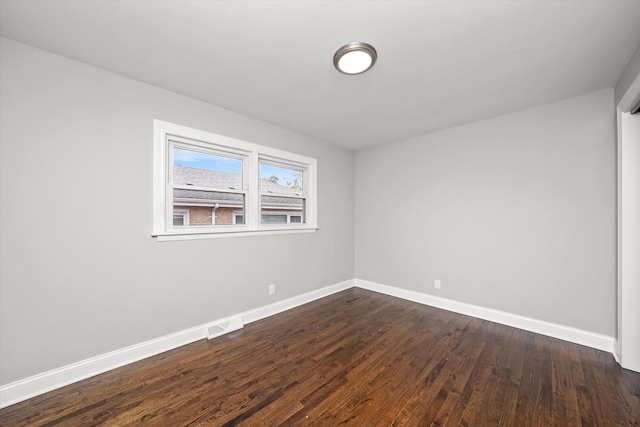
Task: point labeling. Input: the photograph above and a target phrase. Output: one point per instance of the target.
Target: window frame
(169, 135)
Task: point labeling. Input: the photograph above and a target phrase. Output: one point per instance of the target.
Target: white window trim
(162, 205)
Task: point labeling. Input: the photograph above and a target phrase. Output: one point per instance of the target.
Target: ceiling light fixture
(355, 58)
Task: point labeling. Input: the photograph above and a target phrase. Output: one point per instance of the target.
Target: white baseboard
(280, 306)
(616, 352)
(566, 333)
(47, 381)
(54, 379)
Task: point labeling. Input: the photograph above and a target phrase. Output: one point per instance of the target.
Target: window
(180, 217)
(208, 185)
(281, 190)
(281, 218)
(238, 217)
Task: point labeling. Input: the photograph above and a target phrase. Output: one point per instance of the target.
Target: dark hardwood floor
(354, 358)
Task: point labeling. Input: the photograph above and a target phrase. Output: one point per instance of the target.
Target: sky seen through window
(195, 159)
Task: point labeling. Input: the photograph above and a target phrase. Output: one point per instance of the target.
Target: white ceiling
(440, 63)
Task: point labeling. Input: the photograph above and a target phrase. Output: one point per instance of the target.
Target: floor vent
(224, 326)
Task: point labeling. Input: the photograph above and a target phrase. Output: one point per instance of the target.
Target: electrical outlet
(436, 284)
(272, 289)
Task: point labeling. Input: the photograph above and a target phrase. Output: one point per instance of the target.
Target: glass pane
(282, 210)
(274, 219)
(206, 170)
(279, 180)
(207, 208)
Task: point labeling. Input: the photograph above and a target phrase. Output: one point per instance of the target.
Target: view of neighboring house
(210, 207)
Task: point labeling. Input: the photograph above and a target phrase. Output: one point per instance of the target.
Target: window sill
(165, 237)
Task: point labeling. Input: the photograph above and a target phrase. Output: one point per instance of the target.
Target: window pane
(286, 209)
(206, 170)
(207, 207)
(274, 219)
(279, 180)
(180, 217)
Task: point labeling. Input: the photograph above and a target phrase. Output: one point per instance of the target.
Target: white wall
(515, 213)
(627, 92)
(629, 241)
(80, 275)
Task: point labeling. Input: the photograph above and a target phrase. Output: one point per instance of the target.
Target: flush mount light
(355, 58)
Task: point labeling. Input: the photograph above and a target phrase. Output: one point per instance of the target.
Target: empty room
(363, 213)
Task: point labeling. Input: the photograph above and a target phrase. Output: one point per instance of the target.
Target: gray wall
(515, 213)
(80, 274)
(628, 76)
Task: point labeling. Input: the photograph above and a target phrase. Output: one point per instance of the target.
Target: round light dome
(355, 58)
